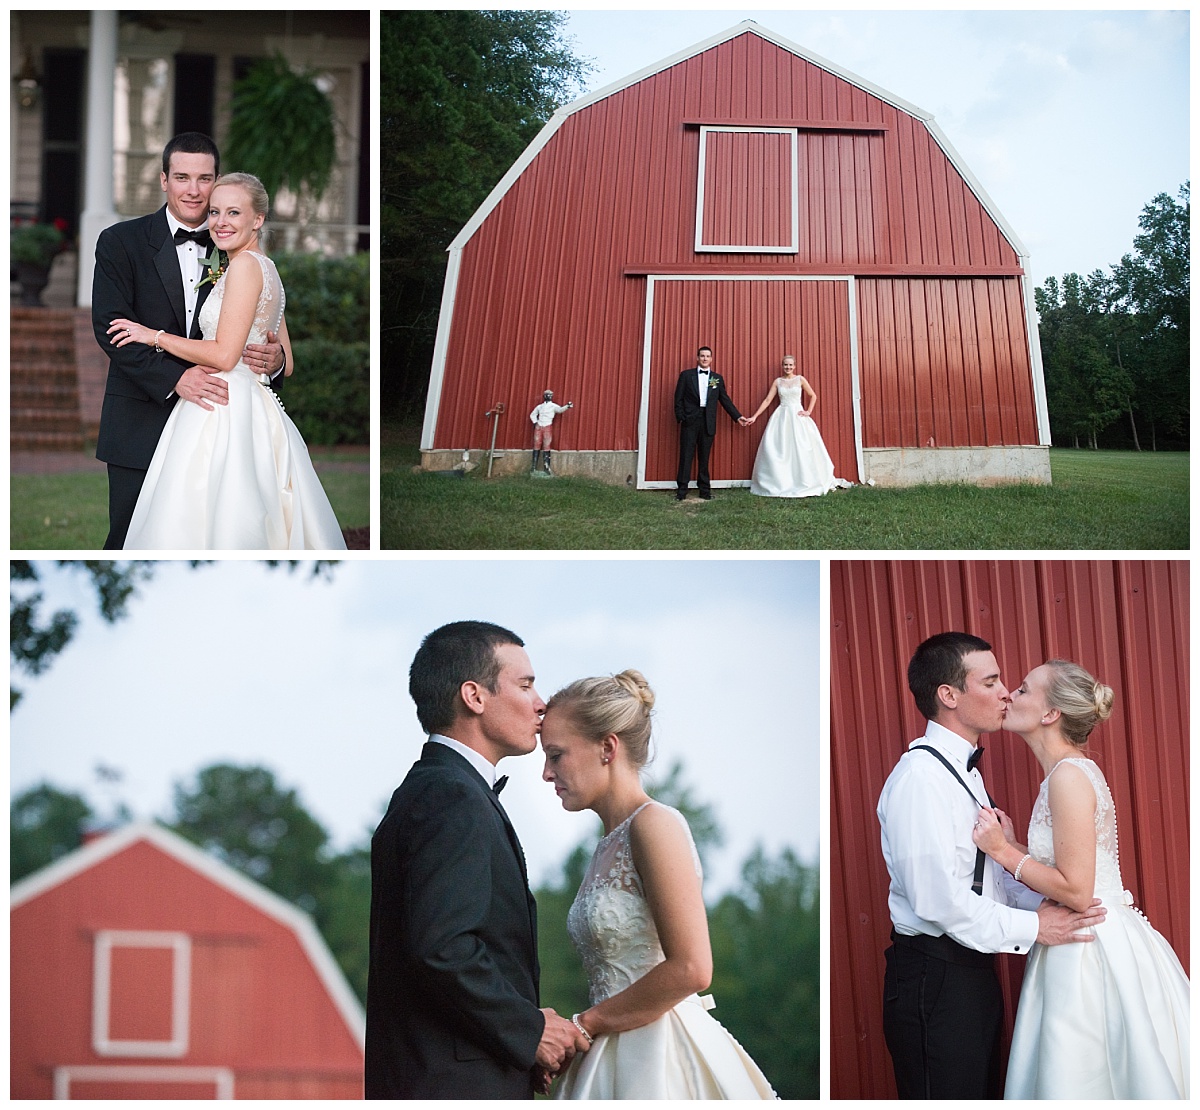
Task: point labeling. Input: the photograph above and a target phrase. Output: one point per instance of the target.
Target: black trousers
(124, 485)
(942, 1023)
(693, 440)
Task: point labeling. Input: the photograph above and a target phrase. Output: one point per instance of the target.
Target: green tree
(766, 970)
(44, 823)
(243, 817)
(282, 129)
(462, 93)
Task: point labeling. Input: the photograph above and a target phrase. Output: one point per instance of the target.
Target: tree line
(1115, 346)
(765, 934)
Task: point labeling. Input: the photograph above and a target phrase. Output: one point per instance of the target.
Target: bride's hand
(988, 833)
(127, 331)
(1010, 833)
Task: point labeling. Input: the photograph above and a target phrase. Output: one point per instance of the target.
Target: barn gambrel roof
(747, 26)
(188, 855)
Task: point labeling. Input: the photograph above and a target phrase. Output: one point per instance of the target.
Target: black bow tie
(200, 235)
(974, 758)
(500, 783)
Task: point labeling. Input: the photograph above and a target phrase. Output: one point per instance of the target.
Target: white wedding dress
(792, 460)
(237, 477)
(1107, 1019)
(686, 1053)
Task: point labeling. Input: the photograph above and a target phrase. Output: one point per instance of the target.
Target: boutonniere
(714, 381)
(215, 264)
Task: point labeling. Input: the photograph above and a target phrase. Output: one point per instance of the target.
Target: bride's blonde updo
(619, 704)
(1082, 701)
(259, 201)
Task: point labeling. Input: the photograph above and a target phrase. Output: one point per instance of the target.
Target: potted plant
(32, 247)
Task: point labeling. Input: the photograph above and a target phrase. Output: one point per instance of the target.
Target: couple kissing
(453, 995)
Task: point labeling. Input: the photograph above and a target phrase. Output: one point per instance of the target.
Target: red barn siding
(257, 1005)
(808, 318)
(547, 279)
(945, 360)
(1127, 622)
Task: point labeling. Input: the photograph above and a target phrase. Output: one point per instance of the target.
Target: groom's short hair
(464, 651)
(191, 142)
(939, 662)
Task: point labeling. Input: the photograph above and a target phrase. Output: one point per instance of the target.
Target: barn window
(140, 990)
(747, 197)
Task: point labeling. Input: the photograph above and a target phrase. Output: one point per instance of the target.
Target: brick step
(33, 369)
(45, 441)
(42, 393)
(43, 420)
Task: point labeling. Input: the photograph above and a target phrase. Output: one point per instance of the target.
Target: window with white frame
(141, 984)
(747, 190)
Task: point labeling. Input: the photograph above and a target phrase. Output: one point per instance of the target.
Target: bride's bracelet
(1024, 860)
(157, 336)
(579, 1026)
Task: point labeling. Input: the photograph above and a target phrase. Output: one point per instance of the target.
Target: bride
(792, 460)
(237, 476)
(638, 921)
(1103, 1020)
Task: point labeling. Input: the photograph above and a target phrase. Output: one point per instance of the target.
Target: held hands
(1059, 925)
(560, 1041)
(265, 358)
(745, 421)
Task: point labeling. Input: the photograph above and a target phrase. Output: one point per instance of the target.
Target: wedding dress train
(792, 460)
(1107, 1019)
(237, 477)
(686, 1053)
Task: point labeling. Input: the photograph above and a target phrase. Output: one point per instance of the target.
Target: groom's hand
(200, 385)
(560, 1041)
(1059, 925)
(264, 358)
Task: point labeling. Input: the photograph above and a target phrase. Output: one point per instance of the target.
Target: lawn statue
(542, 418)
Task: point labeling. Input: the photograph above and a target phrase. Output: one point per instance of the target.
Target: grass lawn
(70, 511)
(1099, 500)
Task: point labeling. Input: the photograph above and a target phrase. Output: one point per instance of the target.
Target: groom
(697, 394)
(452, 994)
(951, 906)
(147, 270)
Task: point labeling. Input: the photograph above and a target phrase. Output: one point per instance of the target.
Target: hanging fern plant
(282, 129)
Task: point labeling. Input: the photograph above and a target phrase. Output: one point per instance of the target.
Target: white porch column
(98, 209)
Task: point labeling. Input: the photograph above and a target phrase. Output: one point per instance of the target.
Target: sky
(1072, 121)
(234, 662)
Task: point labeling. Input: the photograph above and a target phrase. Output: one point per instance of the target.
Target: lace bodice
(1041, 829)
(610, 922)
(268, 313)
(791, 394)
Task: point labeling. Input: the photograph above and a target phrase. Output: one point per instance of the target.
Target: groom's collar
(947, 742)
(174, 225)
(486, 770)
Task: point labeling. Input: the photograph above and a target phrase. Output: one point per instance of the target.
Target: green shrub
(329, 397)
(327, 298)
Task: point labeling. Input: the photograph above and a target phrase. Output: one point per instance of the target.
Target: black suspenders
(977, 883)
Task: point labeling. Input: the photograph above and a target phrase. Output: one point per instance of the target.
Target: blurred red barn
(141, 967)
(752, 196)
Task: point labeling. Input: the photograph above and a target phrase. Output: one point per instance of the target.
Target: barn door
(750, 323)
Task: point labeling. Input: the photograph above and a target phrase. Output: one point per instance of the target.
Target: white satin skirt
(1105, 1019)
(685, 1054)
(237, 478)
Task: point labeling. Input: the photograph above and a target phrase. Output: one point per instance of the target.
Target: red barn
(754, 197)
(141, 967)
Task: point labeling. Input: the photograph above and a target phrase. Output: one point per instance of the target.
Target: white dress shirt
(543, 416)
(702, 382)
(926, 819)
(189, 266)
(485, 769)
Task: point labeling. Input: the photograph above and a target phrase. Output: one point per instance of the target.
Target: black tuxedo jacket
(137, 277)
(687, 399)
(452, 993)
